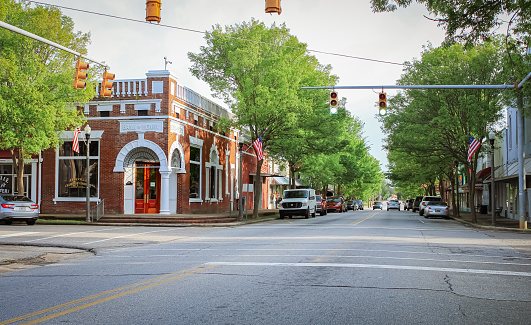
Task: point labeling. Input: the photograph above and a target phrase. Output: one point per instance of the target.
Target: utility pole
(44, 40)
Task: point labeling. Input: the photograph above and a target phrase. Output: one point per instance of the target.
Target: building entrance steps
(153, 219)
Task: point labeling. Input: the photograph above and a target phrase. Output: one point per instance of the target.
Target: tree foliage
(473, 20)
(36, 93)
(427, 130)
(258, 71)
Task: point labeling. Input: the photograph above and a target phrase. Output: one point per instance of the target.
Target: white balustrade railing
(138, 88)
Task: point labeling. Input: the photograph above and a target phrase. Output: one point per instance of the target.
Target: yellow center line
(357, 222)
(159, 280)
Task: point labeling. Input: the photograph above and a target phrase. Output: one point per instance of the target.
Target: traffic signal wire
(202, 32)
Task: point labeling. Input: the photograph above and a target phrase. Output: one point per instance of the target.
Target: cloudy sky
(347, 27)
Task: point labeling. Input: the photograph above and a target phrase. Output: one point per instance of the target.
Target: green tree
(36, 94)
(433, 126)
(258, 72)
(473, 20)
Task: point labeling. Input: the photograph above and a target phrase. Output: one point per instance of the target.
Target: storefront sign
(5, 184)
(142, 126)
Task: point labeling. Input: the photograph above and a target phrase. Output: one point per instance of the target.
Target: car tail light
(34, 206)
(8, 206)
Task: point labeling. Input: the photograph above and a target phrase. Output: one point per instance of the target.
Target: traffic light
(333, 102)
(106, 85)
(153, 10)
(273, 6)
(80, 75)
(382, 104)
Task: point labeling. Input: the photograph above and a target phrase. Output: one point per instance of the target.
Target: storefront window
(8, 179)
(72, 179)
(195, 172)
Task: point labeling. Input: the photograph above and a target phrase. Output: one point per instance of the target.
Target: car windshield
(15, 198)
(295, 194)
(333, 200)
(376, 203)
(318, 198)
(437, 203)
(393, 201)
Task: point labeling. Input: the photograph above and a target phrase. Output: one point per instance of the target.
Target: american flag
(258, 147)
(473, 146)
(75, 145)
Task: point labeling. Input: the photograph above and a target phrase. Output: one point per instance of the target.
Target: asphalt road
(362, 267)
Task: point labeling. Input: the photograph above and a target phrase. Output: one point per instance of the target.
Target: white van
(299, 202)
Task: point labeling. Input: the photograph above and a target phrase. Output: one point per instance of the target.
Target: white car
(300, 202)
(393, 204)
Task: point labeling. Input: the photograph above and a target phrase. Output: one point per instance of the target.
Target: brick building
(154, 148)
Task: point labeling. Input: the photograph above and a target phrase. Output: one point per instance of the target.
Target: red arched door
(147, 197)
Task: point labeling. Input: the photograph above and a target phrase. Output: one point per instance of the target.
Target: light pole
(87, 137)
(240, 185)
(492, 137)
(456, 164)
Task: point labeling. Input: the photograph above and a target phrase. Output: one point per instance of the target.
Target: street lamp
(87, 137)
(240, 190)
(456, 164)
(492, 137)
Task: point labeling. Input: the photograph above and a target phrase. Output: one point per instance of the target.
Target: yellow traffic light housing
(80, 75)
(382, 104)
(106, 84)
(333, 102)
(272, 6)
(153, 10)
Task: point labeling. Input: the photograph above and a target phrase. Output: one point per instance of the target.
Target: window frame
(60, 158)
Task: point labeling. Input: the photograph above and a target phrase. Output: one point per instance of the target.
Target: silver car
(393, 204)
(18, 207)
(436, 209)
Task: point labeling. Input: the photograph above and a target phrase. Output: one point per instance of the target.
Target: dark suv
(416, 203)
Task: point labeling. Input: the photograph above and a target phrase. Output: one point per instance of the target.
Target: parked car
(436, 209)
(359, 204)
(409, 204)
(320, 205)
(336, 204)
(416, 203)
(351, 205)
(299, 202)
(18, 207)
(393, 204)
(377, 205)
(425, 199)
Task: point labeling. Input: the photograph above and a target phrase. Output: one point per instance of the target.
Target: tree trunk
(257, 188)
(454, 193)
(18, 164)
(472, 191)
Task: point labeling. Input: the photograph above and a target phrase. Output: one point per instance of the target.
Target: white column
(165, 192)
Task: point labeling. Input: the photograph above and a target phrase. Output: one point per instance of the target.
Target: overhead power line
(202, 32)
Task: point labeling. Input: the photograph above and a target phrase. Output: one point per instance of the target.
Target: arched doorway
(147, 179)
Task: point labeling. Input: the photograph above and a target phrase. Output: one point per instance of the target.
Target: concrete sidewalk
(485, 221)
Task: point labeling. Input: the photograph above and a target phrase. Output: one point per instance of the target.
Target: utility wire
(201, 32)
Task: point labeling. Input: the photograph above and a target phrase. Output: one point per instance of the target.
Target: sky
(347, 27)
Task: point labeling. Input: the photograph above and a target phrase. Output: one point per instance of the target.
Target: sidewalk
(484, 221)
